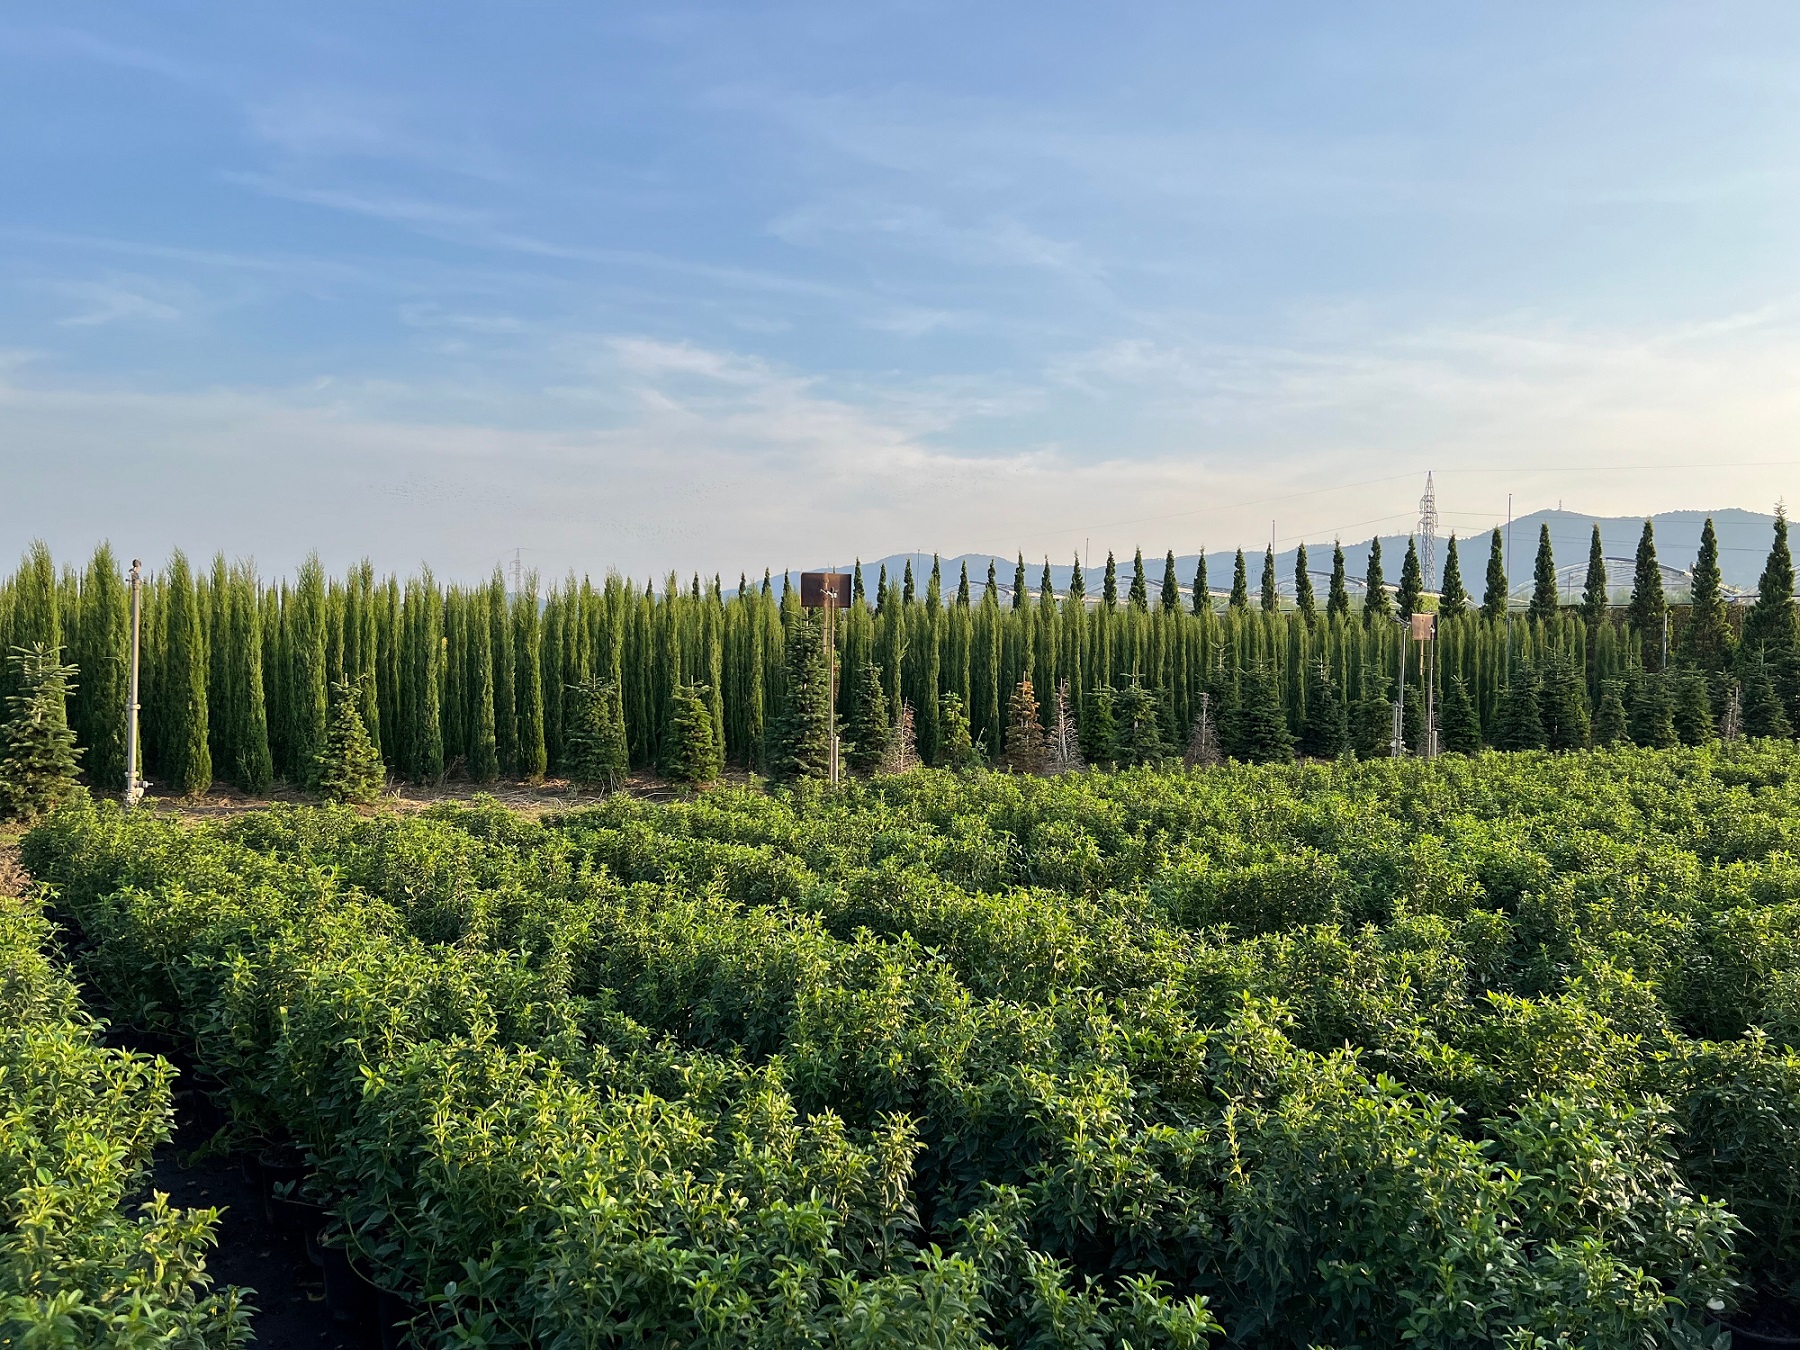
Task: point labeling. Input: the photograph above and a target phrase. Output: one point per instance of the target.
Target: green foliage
(1693, 708)
(38, 758)
(1544, 602)
(1652, 713)
(1519, 724)
(1411, 592)
(869, 728)
(1453, 599)
(349, 767)
(187, 766)
(1460, 728)
(1562, 705)
(1026, 750)
(1327, 731)
(1493, 596)
(1611, 726)
(694, 753)
(1138, 728)
(803, 735)
(956, 747)
(1707, 643)
(1254, 729)
(1099, 726)
(1377, 604)
(595, 750)
(1649, 609)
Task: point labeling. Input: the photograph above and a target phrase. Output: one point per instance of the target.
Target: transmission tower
(1428, 521)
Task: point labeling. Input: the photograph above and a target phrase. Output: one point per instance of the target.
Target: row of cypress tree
(488, 682)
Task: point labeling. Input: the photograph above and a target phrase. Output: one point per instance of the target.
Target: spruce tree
(956, 747)
(188, 769)
(1240, 584)
(1693, 715)
(1649, 609)
(596, 752)
(1256, 731)
(1202, 601)
(1099, 728)
(1372, 719)
(694, 755)
(1763, 713)
(38, 758)
(1518, 724)
(1544, 605)
(1453, 599)
(1140, 589)
(1303, 589)
(1271, 599)
(1652, 715)
(1706, 642)
(803, 734)
(1337, 595)
(1139, 738)
(1411, 593)
(1026, 751)
(348, 765)
(1327, 731)
(868, 730)
(1594, 601)
(1376, 602)
(1171, 589)
(1562, 705)
(1461, 728)
(1611, 726)
(1493, 597)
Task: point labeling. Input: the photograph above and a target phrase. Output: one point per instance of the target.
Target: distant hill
(1744, 538)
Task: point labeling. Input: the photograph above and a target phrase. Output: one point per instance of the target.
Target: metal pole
(134, 790)
(831, 665)
(1430, 692)
(1400, 704)
(1507, 664)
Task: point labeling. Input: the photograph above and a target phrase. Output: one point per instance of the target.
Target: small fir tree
(1025, 748)
(1099, 728)
(1461, 729)
(1706, 642)
(1562, 705)
(1649, 607)
(1140, 726)
(1544, 604)
(956, 747)
(869, 728)
(1652, 712)
(594, 741)
(1518, 725)
(1762, 710)
(1271, 599)
(348, 765)
(1377, 604)
(803, 736)
(1594, 599)
(1411, 594)
(694, 755)
(1337, 594)
(1257, 731)
(1372, 719)
(1693, 709)
(1453, 599)
(1611, 726)
(1327, 731)
(38, 758)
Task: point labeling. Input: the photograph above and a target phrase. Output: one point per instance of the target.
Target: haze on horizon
(723, 287)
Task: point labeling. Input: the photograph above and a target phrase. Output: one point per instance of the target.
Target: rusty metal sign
(815, 587)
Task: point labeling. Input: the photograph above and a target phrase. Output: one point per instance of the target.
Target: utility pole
(1399, 745)
(1428, 523)
(1507, 664)
(134, 789)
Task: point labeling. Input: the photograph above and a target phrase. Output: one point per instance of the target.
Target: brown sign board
(1423, 626)
(816, 586)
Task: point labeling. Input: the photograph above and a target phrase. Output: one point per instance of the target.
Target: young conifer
(1257, 729)
(38, 758)
(1140, 727)
(188, 769)
(1461, 728)
(1171, 588)
(101, 653)
(1611, 725)
(1201, 601)
(1240, 584)
(956, 748)
(1372, 718)
(1518, 724)
(1706, 641)
(1652, 721)
(1304, 602)
(478, 689)
(694, 753)
(1326, 734)
(1649, 608)
(595, 742)
(802, 744)
(1377, 604)
(1337, 595)
(1099, 729)
(528, 683)
(869, 731)
(1695, 721)
(253, 768)
(1562, 705)
(1025, 748)
(1140, 589)
(1762, 710)
(348, 767)
(903, 749)
(1109, 589)
(1411, 592)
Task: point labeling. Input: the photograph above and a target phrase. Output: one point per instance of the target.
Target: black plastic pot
(251, 1169)
(315, 1246)
(395, 1313)
(294, 1214)
(348, 1292)
(282, 1169)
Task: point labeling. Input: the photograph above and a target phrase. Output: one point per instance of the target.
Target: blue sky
(669, 286)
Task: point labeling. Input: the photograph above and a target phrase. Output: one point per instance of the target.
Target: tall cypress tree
(1649, 608)
(528, 683)
(1171, 589)
(101, 652)
(909, 591)
(1453, 599)
(1109, 588)
(1706, 642)
(188, 769)
(1770, 625)
(1493, 597)
(1021, 594)
(1337, 595)
(1593, 594)
(1202, 601)
(1412, 582)
(1240, 584)
(500, 649)
(1271, 600)
(305, 686)
(1303, 589)
(962, 587)
(1544, 604)
(254, 766)
(478, 687)
(1376, 602)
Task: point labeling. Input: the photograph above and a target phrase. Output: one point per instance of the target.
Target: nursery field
(1488, 1050)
